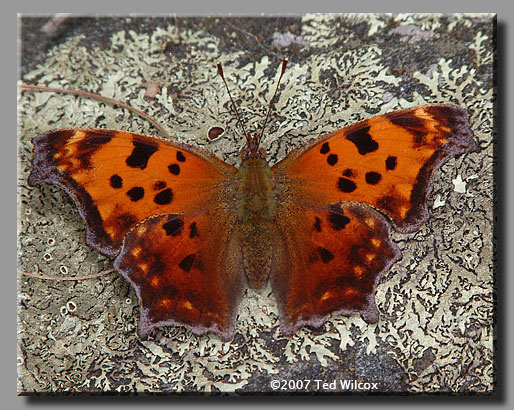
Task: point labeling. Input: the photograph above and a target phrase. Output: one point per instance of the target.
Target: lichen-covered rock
(435, 332)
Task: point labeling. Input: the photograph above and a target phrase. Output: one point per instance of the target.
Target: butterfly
(190, 232)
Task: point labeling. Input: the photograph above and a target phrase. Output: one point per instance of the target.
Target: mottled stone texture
(435, 332)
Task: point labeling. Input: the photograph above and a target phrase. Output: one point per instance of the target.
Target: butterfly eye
(245, 154)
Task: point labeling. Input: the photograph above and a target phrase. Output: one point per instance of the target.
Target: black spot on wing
(373, 178)
(173, 226)
(325, 148)
(164, 197)
(141, 154)
(391, 163)
(325, 255)
(363, 141)
(116, 181)
(350, 173)
(193, 232)
(317, 224)
(338, 220)
(332, 159)
(159, 185)
(180, 157)
(174, 169)
(345, 185)
(136, 193)
(187, 263)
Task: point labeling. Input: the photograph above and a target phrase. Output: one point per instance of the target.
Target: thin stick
(28, 87)
(284, 64)
(220, 72)
(96, 275)
(227, 21)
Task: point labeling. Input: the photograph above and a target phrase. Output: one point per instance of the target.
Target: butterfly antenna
(284, 65)
(220, 72)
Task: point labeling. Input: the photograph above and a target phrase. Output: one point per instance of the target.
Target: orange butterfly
(186, 228)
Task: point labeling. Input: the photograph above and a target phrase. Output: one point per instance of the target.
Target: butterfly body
(187, 229)
(256, 194)
(257, 219)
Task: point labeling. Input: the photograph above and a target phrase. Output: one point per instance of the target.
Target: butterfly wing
(336, 244)
(163, 208)
(331, 263)
(119, 178)
(186, 270)
(386, 162)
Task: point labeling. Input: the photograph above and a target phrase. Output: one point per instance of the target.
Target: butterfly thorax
(255, 184)
(256, 211)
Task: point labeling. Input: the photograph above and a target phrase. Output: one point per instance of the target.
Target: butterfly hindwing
(331, 263)
(186, 270)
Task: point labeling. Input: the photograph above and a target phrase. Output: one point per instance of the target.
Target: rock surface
(435, 332)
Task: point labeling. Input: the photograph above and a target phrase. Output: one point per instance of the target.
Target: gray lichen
(436, 304)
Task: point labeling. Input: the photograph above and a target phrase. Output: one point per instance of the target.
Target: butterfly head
(253, 149)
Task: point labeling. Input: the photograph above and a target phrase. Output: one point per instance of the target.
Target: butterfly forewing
(385, 161)
(119, 178)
